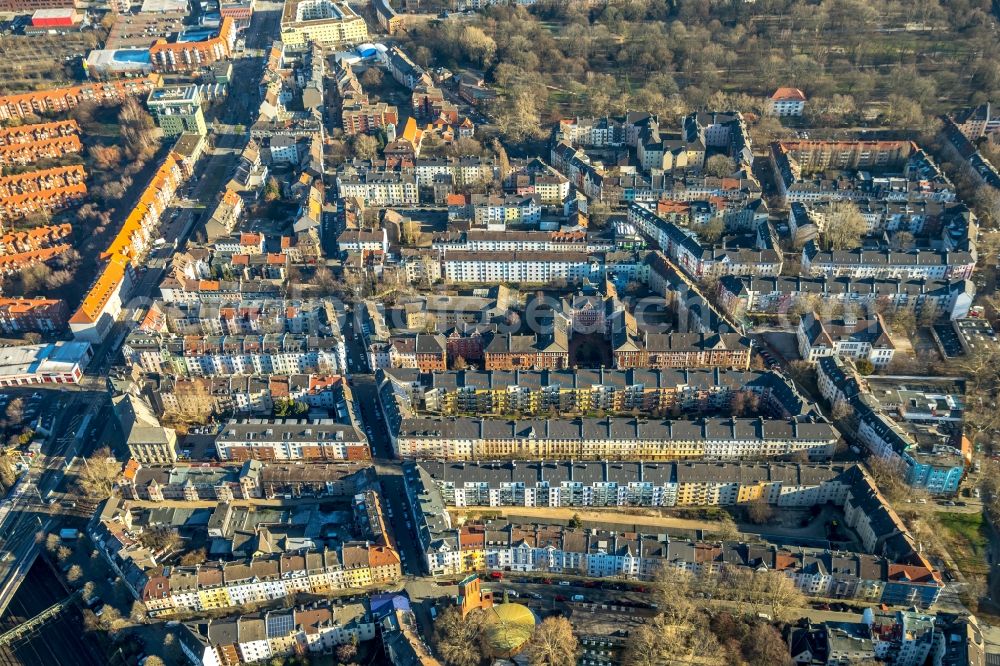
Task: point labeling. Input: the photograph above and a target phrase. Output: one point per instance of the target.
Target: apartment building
(42, 315)
(495, 213)
(949, 299)
(17, 242)
(17, 262)
(786, 102)
(241, 11)
(141, 227)
(885, 264)
(45, 190)
(537, 177)
(809, 171)
(507, 351)
(892, 569)
(404, 70)
(323, 22)
(483, 240)
(681, 350)
(194, 49)
(848, 337)
(218, 585)
(251, 479)
(379, 188)
(693, 311)
(26, 134)
(979, 121)
(683, 248)
(819, 155)
(359, 116)
(319, 440)
(226, 355)
(104, 301)
(177, 109)
(252, 395)
(521, 267)
(226, 215)
(907, 638)
(461, 438)
(937, 469)
(429, 102)
(251, 639)
(622, 483)
(390, 21)
(961, 148)
(426, 352)
(580, 391)
(44, 102)
(463, 171)
(25, 153)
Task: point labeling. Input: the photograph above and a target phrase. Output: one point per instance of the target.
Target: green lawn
(966, 534)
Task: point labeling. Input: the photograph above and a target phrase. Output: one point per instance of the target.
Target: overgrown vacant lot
(965, 535)
(36, 62)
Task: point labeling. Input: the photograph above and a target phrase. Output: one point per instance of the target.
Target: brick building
(20, 315)
(63, 99)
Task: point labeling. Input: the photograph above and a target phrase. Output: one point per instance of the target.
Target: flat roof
(160, 6)
(58, 357)
(55, 12)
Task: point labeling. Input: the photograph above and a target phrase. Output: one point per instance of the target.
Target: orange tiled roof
(381, 556)
(21, 104)
(788, 95)
(29, 133)
(131, 469)
(96, 299)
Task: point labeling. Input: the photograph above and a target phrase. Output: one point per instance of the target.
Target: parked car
(579, 597)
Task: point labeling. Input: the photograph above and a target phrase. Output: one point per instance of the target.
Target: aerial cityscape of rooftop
(507, 332)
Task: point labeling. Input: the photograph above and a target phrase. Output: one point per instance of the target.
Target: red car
(560, 597)
(496, 575)
(547, 581)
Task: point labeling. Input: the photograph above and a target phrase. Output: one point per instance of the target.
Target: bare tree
(890, 477)
(457, 639)
(844, 227)
(372, 77)
(719, 166)
(15, 411)
(759, 511)
(553, 644)
(727, 529)
(673, 589)
(138, 613)
(365, 147)
(99, 473)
